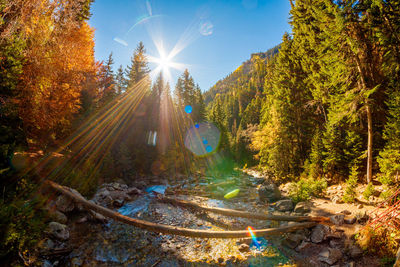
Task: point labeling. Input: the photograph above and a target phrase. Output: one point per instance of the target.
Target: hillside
(244, 70)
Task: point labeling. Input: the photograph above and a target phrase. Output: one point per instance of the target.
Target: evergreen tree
(107, 81)
(120, 81)
(138, 71)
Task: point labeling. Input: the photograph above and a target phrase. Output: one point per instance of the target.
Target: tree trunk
(172, 230)
(243, 214)
(369, 149)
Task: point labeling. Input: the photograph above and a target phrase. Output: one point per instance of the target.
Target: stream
(117, 244)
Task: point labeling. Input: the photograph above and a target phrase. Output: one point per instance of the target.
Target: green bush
(351, 183)
(304, 189)
(369, 191)
(22, 221)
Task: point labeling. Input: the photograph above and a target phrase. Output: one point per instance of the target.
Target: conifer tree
(120, 81)
(138, 70)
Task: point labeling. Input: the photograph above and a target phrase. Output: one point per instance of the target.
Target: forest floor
(115, 244)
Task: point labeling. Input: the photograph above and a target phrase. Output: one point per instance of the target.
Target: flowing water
(117, 244)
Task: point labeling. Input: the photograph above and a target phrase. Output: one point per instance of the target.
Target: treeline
(327, 105)
(55, 94)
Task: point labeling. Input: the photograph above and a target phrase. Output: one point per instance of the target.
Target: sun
(164, 62)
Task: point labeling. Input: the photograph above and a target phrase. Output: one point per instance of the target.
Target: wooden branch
(167, 229)
(243, 214)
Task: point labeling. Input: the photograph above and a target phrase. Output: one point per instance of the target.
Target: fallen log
(172, 230)
(243, 214)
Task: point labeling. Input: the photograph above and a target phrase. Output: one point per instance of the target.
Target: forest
(307, 132)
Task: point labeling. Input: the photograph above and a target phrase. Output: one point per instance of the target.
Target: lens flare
(189, 109)
(253, 236)
(204, 139)
(206, 28)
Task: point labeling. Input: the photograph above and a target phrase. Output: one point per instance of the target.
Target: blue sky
(214, 37)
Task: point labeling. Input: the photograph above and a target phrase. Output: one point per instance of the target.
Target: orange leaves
(59, 57)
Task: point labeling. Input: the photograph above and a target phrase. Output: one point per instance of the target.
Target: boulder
(351, 220)
(345, 212)
(244, 247)
(303, 245)
(330, 255)
(302, 207)
(354, 251)
(58, 230)
(293, 240)
(134, 191)
(319, 232)
(284, 205)
(269, 192)
(60, 217)
(337, 219)
(64, 204)
(336, 243)
(362, 218)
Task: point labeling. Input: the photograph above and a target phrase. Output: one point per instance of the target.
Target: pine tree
(120, 81)
(138, 71)
(107, 81)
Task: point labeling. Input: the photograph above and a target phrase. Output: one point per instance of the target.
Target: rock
(354, 251)
(330, 255)
(244, 247)
(350, 264)
(82, 220)
(64, 204)
(118, 202)
(360, 206)
(362, 218)
(345, 212)
(336, 199)
(351, 220)
(58, 230)
(94, 216)
(303, 245)
(336, 243)
(47, 263)
(134, 191)
(319, 232)
(337, 219)
(293, 240)
(76, 262)
(58, 216)
(336, 234)
(46, 245)
(269, 192)
(284, 205)
(302, 207)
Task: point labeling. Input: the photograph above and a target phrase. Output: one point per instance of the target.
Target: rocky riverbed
(80, 238)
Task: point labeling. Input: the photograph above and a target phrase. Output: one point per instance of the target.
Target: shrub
(22, 221)
(351, 183)
(304, 189)
(369, 191)
(380, 241)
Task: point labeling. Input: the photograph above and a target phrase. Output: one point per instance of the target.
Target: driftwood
(243, 214)
(167, 229)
